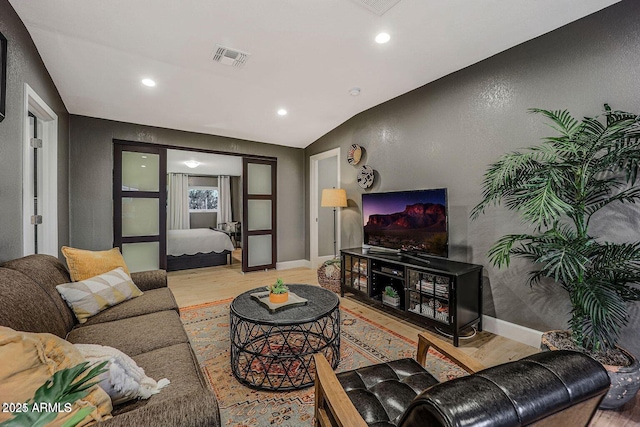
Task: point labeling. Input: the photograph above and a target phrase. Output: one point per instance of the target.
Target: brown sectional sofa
(147, 328)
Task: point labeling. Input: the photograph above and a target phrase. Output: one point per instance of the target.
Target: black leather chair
(548, 388)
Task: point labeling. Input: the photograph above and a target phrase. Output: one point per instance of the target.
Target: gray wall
(91, 164)
(203, 219)
(24, 65)
(445, 134)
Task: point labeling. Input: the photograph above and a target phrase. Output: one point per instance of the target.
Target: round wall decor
(365, 176)
(354, 154)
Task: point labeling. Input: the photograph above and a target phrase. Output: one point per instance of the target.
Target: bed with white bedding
(198, 247)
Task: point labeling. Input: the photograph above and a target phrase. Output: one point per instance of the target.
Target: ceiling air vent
(379, 7)
(228, 56)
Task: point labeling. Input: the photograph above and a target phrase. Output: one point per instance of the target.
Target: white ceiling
(305, 56)
(210, 164)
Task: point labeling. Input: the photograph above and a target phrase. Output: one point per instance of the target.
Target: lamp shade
(334, 198)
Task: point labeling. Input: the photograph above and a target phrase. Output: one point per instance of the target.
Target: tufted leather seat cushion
(402, 393)
(381, 393)
(513, 394)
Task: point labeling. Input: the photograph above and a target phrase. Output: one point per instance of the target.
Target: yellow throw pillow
(85, 264)
(91, 296)
(29, 360)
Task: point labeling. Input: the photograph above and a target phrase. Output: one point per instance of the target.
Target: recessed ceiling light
(354, 91)
(144, 157)
(282, 112)
(143, 166)
(148, 82)
(192, 163)
(383, 38)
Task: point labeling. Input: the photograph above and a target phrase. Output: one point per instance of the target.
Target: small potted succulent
(278, 292)
(390, 297)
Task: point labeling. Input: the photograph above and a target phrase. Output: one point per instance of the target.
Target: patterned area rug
(363, 343)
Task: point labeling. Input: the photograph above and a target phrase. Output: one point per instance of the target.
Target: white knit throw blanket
(124, 380)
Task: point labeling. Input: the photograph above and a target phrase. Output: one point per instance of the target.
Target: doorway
(40, 176)
(204, 193)
(252, 240)
(324, 173)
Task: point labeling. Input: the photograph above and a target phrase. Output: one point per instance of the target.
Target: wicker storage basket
(329, 277)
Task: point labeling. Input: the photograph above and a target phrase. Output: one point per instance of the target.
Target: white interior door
(40, 177)
(325, 173)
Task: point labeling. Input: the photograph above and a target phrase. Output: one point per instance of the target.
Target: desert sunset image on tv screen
(408, 220)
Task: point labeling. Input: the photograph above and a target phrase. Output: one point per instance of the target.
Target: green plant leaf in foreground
(64, 387)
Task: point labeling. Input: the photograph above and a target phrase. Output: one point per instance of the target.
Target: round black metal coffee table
(274, 351)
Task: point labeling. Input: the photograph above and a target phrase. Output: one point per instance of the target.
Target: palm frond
(500, 252)
(599, 189)
(590, 133)
(628, 149)
(562, 254)
(540, 203)
(564, 122)
(563, 264)
(630, 195)
(505, 176)
(617, 257)
(615, 116)
(600, 315)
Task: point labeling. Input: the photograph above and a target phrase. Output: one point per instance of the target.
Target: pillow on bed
(91, 296)
(84, 264)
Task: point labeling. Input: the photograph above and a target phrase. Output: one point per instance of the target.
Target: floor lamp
(334, 198)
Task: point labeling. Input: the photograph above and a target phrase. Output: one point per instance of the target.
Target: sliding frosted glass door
(259, 214)
(139, 205)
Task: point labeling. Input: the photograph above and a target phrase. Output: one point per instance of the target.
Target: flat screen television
(411, 221)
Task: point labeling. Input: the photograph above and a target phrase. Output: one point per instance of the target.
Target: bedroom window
(203, 199)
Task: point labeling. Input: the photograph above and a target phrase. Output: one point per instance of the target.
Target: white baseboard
(512, 331)
(285, 265)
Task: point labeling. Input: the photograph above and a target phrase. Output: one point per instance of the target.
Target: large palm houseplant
(558, 188)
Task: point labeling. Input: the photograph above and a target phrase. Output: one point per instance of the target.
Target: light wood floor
(192, 287)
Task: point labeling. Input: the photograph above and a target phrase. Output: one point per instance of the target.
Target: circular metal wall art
(365, 176)
(354, 154)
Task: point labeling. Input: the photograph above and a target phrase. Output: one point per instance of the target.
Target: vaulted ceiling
(304, 56)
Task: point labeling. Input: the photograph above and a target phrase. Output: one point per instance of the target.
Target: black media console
(433, 291)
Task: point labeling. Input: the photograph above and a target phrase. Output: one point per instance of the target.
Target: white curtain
(224, 200)
(178, 201)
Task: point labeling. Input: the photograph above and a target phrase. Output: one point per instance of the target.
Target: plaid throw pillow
(91, 296)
